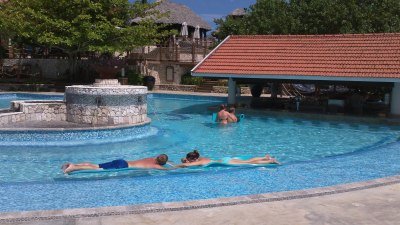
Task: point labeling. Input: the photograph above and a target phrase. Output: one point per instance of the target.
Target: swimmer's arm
(233, 118)
(162, 168)
(180, 166)
(184, 165)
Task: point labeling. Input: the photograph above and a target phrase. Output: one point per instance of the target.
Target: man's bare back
(147, 163)
(223, 115)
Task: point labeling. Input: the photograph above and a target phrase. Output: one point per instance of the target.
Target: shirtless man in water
(232, 115)
(223, 115)
(194, 159)
(147, 163)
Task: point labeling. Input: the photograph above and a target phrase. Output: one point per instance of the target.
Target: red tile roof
(347, 55)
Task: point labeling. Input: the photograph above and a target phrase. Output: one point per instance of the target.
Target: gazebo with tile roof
(349, 58)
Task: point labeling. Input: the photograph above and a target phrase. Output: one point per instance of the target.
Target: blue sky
(210, 9)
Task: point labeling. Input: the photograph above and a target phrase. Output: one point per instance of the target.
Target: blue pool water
(314, 153)
(6, 98)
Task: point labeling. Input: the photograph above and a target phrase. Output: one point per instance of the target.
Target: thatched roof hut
(239, 12)
(177, 15)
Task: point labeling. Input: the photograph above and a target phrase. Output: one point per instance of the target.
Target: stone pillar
(231, 91)
(395, 100)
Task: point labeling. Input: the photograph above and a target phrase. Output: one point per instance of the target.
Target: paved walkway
(372, 206)
(369, 202)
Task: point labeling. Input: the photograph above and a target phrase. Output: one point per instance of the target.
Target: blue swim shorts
(116, 164)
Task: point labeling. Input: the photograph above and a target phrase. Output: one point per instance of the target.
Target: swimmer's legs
(70, 167)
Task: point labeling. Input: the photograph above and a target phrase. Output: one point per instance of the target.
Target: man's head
(162, 159)
(222, 107)
(191, 156)
(232, 110)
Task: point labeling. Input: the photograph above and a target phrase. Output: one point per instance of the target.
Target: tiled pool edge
(49, 215)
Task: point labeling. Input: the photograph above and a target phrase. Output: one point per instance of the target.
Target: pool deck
(370, 202)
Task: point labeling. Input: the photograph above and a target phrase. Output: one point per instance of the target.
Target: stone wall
(89, 104)
(48, 68)
(159, 71)
(107, 115)
(220, 89)
(176, 87)
(106, 105)
(193, 88)
(34, 111)
(224, 90)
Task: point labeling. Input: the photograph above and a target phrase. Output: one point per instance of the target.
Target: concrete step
(203, 90)
(207, 86)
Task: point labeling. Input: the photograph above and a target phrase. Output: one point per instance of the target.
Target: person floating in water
(193, 159)
(147, 163)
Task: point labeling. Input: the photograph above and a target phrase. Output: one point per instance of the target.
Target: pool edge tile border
(49, 215)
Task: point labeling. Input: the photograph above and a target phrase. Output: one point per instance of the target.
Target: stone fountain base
(106, 102)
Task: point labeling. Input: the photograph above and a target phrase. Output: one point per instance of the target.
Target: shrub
(133, 77)
(188, 79)
(223, 83)
(3, 52)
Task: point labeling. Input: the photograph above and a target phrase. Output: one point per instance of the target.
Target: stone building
(168, 61)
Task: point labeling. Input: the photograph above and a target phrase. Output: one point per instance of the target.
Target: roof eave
(215, 49)
(297, 77)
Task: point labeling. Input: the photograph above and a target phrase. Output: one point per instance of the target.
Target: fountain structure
(105, 103)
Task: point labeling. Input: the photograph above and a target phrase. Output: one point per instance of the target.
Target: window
(170, 73)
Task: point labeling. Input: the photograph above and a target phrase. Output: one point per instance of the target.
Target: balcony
(180, 51)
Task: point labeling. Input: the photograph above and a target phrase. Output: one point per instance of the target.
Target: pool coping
(77, 213)
(88, 128)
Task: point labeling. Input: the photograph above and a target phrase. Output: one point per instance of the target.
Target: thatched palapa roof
(177, 14)
(238, 12)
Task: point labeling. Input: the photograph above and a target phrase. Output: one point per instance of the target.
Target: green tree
(77, 26)
(269, 17)
(315, 17)
(380, 15)
(264, 17)
(326, 16)
(228, 26)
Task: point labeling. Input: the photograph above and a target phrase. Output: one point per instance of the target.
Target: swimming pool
(314, 153)
(6, 98)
